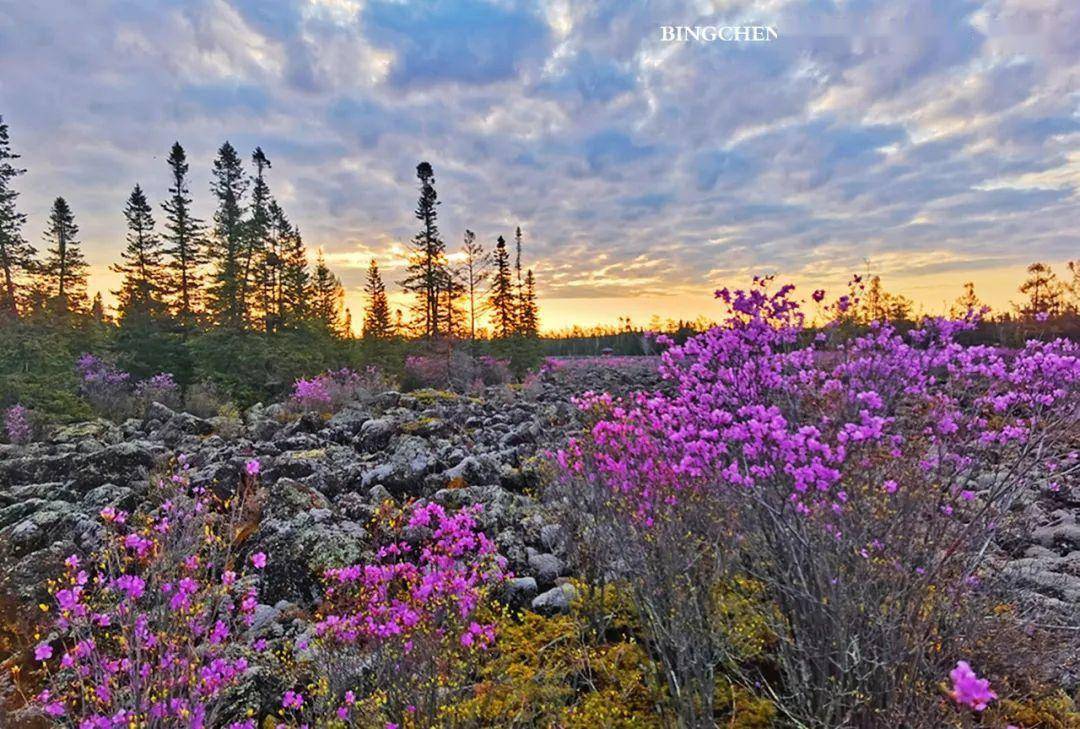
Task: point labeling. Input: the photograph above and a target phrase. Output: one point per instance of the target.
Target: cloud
(942, 134)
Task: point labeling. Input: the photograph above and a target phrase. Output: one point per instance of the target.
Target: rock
(555, 600)
(99, 429)
(546, 567)
(553, 537)
(375, 434)
(520, 590)
(474, 470)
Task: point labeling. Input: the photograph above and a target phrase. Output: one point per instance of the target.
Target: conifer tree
(295, 279)
(141, 262)
(528, 322)
(63, 271)
(475, 272)
(501, 299)
(1043, 290)
(518, 283)
(16, 254)
(184, 243)
(228, 249)
(966, 302)
(377, 324)
(327, 296)
(452, 292)
(426, 270)
(257, 278)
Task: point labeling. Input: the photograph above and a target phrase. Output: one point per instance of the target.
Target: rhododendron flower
(43, 652)
(252, 467)
(968, 689)
(258, 560)
(292, 700)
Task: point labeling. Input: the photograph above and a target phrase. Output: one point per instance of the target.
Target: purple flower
(252, 467)
(43, 652)
(258, 560)
(968, 689)
(292, 700)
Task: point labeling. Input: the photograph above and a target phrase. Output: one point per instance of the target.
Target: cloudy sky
(931, 141)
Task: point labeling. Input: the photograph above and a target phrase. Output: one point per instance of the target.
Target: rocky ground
(325, 477)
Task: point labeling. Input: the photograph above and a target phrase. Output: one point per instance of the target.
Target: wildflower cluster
(113, 393)
(331, 390)
(149, 630)
(839, 473)
(408, 614)
(17, 424)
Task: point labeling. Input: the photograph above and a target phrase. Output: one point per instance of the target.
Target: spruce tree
(228, 249)
(1043, 290)
(327, 296)
(377, 324)
(16, 254)
(475, 272)
(63, 271)
(519, 284)
(295, 279)
(528, 322)
(141, 263)
(426, 270)
(501, 298)
(184, 243)
(257, 278)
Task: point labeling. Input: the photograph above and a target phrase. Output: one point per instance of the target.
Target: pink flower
(43, 652)
(258, 560)
(252, 467)
(968, 689)
(292, 700)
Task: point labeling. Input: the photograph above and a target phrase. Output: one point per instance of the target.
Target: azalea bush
(17, 425)
(113, 393)
(859, 482)
(395, 636)
(149, 631)
(331, 390)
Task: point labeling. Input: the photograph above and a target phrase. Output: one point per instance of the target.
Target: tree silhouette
(229, 240)
(475, 272)
(184, 243)
(1043, 291)
(426, 273)
(377, 323)
(63, 271)
(326, 296)
(16, 254)
(142, 264)
(501, 298)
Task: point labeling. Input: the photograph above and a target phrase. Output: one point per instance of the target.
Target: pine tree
(426, 270)
(377, 324)
(529, 323)
(228, 250)
(475, 272)
(257, 278)
(142, 265)
(184, 243)
(295, 279)
(63, 271)
(16, 254)
(453, 321)
(326, 296)
(501, 299)
(1043, 290)
(273, 267)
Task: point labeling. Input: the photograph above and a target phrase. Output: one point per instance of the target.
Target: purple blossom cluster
(842, 473)
(147, 632)
(17, 424)
(329, 391)
(113, 393)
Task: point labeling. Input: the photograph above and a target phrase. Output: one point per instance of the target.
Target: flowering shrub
(968, 689)
(107, 389)
(859, 481)
(392, 632)
(112, 393)
(17, 425)
(331, 390)
(148, 632)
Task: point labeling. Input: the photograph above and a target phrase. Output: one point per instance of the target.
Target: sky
(931, 142)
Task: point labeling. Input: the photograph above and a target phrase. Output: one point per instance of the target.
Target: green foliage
(37, 365)
(524, 353)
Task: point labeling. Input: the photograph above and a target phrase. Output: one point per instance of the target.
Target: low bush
(861, 483)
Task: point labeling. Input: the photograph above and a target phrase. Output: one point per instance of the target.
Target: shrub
(859, 482)
(395, 635)
(160, 388)
(332, 390)
(149, 630)
(107, 389)
(17, 425)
